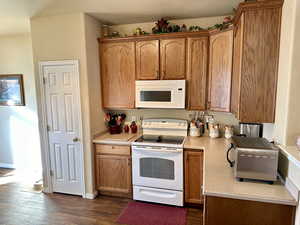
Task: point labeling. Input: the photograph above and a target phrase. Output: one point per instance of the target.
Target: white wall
(204, 22)
(293, 125)
(92, 33)
(284, 70)
(74, 36)
(287, 124)
(19, 135)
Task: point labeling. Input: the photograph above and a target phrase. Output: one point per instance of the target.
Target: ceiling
(15, 14)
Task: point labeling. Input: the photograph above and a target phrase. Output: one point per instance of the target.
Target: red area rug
(138, 213)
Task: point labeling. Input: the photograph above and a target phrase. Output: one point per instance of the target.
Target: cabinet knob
(76, 139)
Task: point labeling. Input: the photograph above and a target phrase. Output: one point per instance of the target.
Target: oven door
(157, 168)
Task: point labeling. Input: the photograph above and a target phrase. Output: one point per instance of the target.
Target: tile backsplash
(139, 114)
(220, 117)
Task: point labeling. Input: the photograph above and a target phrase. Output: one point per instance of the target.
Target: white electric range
(157, 161)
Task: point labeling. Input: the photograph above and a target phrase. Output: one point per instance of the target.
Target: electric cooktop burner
(161, 139)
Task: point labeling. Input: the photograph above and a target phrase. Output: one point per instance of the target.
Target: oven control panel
(165, 123)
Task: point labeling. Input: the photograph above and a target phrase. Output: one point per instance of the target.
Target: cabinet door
(220, 65)
(118, 74)
(260, 65)
(227, 211)
(114, 174)
(173, 59)
(197, 63)
(193, 176)
(237, 66)
(147, 60)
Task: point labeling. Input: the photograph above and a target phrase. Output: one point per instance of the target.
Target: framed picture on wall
(12, 90)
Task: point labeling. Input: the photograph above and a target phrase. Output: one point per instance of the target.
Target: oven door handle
(164, 150)
(231, 163)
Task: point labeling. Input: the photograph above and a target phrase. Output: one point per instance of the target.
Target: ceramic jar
(228, 132)
(133, 127)
(214, 130)
(194, 131)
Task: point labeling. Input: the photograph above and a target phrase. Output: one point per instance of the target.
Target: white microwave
(160, 94)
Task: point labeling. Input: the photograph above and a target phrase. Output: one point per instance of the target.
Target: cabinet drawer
(113, 149)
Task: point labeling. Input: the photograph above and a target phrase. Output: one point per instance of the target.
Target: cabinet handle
(157, 74)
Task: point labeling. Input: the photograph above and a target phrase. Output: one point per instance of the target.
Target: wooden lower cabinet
(193, 171)
(228, 211)
(113, 171)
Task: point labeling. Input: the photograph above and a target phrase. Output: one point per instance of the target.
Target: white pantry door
(62, 94)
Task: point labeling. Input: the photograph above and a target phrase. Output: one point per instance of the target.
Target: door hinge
(44, 80)
(48, 128)
(51, 173)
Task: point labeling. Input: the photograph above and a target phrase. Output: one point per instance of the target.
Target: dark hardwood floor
(20, 206)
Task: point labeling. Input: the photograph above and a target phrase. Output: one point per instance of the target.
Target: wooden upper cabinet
(197, 63)
(147, 60)
(172, 59)
(220, 66)
(193, 175)
(237, 66)
(118, 74)
(260, 57)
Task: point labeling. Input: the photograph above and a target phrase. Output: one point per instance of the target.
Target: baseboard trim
(7, 165)
(91, 195)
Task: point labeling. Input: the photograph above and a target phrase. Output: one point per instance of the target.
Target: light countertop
(116, 139)
(219, 179)
(292, 152)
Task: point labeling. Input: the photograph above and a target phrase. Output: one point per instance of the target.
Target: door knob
(75, 139)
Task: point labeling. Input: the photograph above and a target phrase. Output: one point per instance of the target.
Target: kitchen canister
(194, 131)
(214, 130)
(228, 132)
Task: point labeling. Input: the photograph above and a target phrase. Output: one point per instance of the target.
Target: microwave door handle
(231, 163)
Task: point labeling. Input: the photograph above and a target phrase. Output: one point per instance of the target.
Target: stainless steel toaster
(253, 158)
